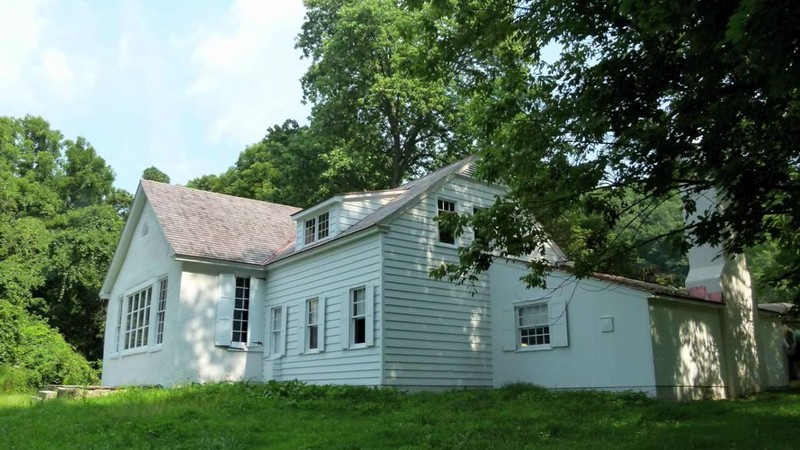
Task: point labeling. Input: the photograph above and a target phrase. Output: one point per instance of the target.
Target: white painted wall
(328, 272)
(147, 260)
(196, 358)
(612, 360)
(687, 349)
(355, 208)
(437, 333)
(775, 372)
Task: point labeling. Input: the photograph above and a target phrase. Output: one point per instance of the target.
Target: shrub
(31, 349)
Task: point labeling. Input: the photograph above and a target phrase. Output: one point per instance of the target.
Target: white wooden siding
(329, 274)
(352, 211)
(437, 333)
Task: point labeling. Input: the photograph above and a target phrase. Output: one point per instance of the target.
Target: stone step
(47, 395)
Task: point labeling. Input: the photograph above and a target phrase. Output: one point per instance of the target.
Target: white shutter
(224, 328)
(369, 323)
(282, 338)
(301, 327)
(508, 333)
(255, 334)
(344, 331)
(559, 336)
(321, 329)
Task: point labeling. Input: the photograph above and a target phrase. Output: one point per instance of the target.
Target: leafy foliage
(153, 174)
(32, 353)
(60, 219)
(645, 100)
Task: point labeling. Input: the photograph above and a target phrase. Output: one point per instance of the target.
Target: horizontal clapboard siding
(354, 210)
(329, 274)
(436, 333)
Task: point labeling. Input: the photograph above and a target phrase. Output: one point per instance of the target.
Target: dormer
(327, 219)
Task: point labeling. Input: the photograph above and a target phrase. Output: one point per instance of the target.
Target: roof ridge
(212, 193)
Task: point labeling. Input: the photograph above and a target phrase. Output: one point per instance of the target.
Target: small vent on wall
(145, 229)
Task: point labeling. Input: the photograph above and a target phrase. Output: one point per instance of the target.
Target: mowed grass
(291, 416)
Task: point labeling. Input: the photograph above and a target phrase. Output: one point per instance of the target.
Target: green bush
(33, 351)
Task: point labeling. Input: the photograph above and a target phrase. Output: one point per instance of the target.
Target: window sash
(161, 310)
(311, 227)
(533, 325)
(312, 324)
(323, 223)
(241, 310)
(275, 331)
(137, 319)
(358, 320)
(445, 207)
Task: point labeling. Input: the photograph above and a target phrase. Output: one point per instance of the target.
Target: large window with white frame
(533, 325)
(241, 310)
(445, 208)
(358, 316)
(137, 318)
(312, 324)
(161, 310)
(316, 228)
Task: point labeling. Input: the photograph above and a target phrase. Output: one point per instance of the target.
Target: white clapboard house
(208, 287)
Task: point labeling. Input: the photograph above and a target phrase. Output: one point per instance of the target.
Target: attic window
(316, 228)
(145, 229)
(446, 235)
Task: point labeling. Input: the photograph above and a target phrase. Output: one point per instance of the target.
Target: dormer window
(316, 228)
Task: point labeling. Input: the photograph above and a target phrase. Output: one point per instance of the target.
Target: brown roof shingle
(216, 226)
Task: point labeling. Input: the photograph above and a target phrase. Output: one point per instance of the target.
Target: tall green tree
(649, 98)
(287, 166)
(385, 104)
(153, 174)
(59, 223)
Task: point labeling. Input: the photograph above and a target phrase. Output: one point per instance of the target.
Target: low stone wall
(51, 392)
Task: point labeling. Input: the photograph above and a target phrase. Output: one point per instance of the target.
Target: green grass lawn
(291, 416)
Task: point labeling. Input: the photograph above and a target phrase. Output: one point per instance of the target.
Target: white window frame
(122, 330)
(138, 305)
(351, 316)
(277, 331)
(539, 328)
(313, 231)
(118, 328)
(240, 334)
(557, 322)
(161, 309)
(312, 325)
(440, 201)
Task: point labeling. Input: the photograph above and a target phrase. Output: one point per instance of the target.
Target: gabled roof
(201, 224)
(407, 195)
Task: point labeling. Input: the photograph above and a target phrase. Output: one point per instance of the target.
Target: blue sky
(182, 85)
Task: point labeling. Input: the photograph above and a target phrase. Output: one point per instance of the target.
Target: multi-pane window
(275, 331)
(317, 228)
(446, 234)
(161, 310)
(118, 330)
(241, 309)
(322, 226)
(137, 318)
(358, 315)
(480, 234)
(312, 324)
(311, 228)
(533, 325)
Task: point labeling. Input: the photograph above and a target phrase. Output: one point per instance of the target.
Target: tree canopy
(60, 218)
(656, 100)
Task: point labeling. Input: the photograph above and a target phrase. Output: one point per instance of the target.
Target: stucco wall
(146, 261)
(619, 359)
(774, 369)
(687, 349)
(197, 359)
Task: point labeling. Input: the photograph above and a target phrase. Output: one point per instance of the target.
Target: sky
(181, 85)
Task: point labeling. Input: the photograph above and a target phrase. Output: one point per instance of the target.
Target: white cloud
(246, 71)
(36, 68)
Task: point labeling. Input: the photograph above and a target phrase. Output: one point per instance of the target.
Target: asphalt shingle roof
(217, 226)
